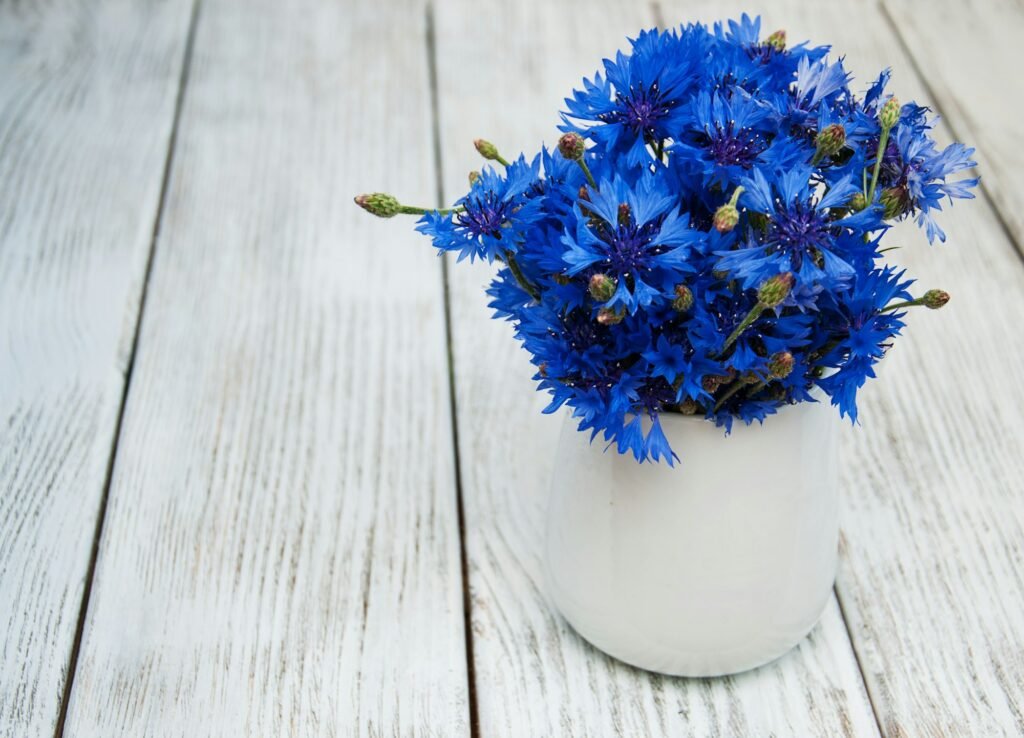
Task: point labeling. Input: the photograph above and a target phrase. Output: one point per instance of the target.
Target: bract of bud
(934, 299)
(777, 40)
(830, 140)
(608, 316)
(683, 300)
(773, 291)
(473, 177)
(487, 150)
(889, 115)
(726, 218)
(858, 202)
(601, 287)
(380, 204)
(780, 365)
(571, 146)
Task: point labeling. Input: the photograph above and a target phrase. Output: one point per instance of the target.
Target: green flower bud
(777, 40)
(896, 201)
(473, 177)
(773, 291)
(571, 146)
(380, 204)
(934, 299)
(726, 218)
(780, 365)
(684, 298)
(602, 287)
(858, 202)
(608, 316)
(487, 150)
(890, 114)
(830, 140)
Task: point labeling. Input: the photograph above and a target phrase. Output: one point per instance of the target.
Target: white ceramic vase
(713, 567)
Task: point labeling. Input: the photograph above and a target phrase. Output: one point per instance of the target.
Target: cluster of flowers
(706, 238)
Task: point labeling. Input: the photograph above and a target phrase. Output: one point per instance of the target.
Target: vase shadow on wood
(716, 566)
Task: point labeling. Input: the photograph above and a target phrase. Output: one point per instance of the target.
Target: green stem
(513, 266)
(883, 141)
(412, 210)
(586, 170)
(753, 315)
(905, 304)
(733, 389)
(501, 160)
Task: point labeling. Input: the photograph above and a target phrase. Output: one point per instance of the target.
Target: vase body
(715, 566)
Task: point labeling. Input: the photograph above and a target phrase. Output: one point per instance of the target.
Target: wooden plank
(968, 55)
(87, 101)
(502, 75)
(931, 580)
(281, 551)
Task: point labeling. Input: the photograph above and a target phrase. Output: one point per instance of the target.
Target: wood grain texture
(87, 100)
(502, 75)
(969, 56)
(281, 552)
(930, 578)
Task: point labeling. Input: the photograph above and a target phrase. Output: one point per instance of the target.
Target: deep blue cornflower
(492, 218)
(714, 244)
(802, 232)
(634, 235)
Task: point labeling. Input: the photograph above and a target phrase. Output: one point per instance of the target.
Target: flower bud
(773, 291)
(684, 298)
(571, 146)
(712, 382)
(602, 287)
(688, 407)
(934, 299)
(726, 218)
(890, 114)
(624, 214)
(780, 365)
(858, 202)
(584, 193)
(380, 204)
(608, 316)
(895, 200)
(777, 40)
(830, 140)
(473, 177)
(487, 150)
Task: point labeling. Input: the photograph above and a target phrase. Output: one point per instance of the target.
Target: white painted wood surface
(87, 99)
(969, 54)
(934, 515)
(281, 553)
(534, 676)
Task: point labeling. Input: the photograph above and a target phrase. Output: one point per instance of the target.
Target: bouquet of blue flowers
(707, 237)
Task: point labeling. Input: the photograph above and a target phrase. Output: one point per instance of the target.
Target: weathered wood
(87, 100)
(502, 75)
(969, 55)
(931, 580)
(281, 554)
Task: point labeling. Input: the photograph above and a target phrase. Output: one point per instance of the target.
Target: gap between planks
(435, 131)
(129, 368)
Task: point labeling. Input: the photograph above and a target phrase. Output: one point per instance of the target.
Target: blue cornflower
(492, 218)
(634, 235)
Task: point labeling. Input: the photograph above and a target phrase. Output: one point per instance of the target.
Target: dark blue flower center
(483, 215)
(628, 246)
(740, 147)
(797, 229)
(640, 109)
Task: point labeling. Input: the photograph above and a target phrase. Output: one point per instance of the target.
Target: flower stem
(904, 304)
(513, 266)
(754, 314)
(586, 170)
(413, 210)
(883, 141)
(733, 389)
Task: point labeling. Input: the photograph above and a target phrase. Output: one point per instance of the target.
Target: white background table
(268, 469)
